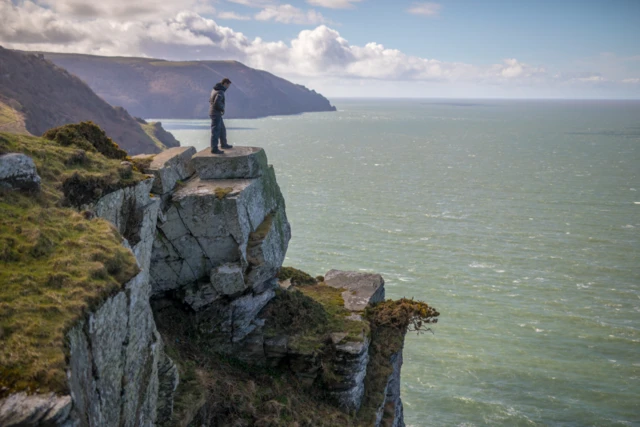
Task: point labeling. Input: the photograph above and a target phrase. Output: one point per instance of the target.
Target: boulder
(361, 289)
(18, 171)
(235, 163)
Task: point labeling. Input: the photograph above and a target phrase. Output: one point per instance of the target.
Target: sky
(363, 48)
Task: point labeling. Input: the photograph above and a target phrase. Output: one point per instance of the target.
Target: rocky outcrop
(209, 234)
(221, 238)
(17, 171)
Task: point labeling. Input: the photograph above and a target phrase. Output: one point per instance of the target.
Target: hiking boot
(226, 146)
(216, 150)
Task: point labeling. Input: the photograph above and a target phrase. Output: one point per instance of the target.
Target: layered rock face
(221, 239)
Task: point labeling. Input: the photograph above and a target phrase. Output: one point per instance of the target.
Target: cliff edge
(160, 298)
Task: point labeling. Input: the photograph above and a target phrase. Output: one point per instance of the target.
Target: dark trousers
(218, 131)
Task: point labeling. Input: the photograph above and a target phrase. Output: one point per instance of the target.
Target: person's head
(226, 83)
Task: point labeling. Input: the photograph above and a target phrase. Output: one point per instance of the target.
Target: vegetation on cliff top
(55, 262)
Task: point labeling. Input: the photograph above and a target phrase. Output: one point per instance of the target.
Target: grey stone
(169, 167)
(361, 289)
(237, 162)
(18, 171)
(228, 279)
(245, 309)
(23, 410)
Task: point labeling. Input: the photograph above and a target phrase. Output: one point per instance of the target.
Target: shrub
(87, 136)
(298, 277)
(403, 314)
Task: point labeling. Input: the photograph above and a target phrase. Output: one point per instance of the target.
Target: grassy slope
(11, 120)
(54, 265)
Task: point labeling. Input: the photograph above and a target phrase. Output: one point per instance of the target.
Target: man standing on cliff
(216, 111)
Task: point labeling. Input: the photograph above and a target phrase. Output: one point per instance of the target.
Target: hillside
(164, 89)
(36, 95)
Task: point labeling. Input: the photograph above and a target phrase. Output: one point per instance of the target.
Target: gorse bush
(298, 277)
(87, 136)
(403, 314)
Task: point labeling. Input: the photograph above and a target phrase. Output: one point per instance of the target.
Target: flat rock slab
(235, 163)
(169, 167)
(361, 289)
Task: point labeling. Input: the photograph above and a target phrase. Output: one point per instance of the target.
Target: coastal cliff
(163, 300)
(149, 87)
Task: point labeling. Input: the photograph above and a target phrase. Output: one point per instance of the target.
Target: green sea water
(518, 220)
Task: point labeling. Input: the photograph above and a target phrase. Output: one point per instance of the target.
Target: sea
(518, 220)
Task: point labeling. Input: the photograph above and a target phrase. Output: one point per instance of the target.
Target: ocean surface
(518, 220)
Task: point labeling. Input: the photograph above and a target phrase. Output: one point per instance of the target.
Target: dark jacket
(216, 100)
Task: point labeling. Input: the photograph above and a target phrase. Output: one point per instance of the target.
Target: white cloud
(254, 3)
(425, 9)
(288, 14)
(233, 15)
(320, 54)
(125, 9)
(334, 4)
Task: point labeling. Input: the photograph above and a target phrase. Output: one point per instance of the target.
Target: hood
(219, 86)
